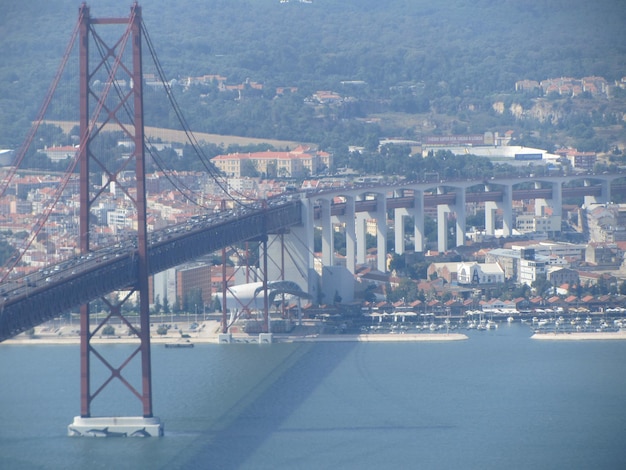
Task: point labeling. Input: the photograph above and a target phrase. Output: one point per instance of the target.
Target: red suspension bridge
(111, 95)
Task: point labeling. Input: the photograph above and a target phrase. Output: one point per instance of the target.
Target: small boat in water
(491, 325)
(179, 345)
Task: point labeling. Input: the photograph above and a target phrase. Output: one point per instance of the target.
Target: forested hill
(456, 48)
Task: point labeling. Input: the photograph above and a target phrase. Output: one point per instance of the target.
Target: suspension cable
(42, 111)
(156, 158)
(43, 218)
(190, 136)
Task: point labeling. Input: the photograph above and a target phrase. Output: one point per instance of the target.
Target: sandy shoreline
(578, 336)
(209, 333)
(240, 338)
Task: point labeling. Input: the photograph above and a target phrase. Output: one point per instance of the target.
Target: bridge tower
(111, 95)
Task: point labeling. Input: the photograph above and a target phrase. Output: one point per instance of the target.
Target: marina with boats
(578, 322)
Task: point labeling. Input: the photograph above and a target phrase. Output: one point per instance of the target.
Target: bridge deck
(37, 298)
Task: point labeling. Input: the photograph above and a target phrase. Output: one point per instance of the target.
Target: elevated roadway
(433, 200)
(445, 192)
(39, 297)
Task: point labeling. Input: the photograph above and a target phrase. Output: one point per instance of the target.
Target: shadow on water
(251, 421)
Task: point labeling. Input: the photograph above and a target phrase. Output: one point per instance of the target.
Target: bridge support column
(417, 213)
(361, 245)
(381, 232)
(507, 211)
(350, 235)
(327, 234)
(399, 216)
(442, 223)
(348, 222)
(460, 211)
(266, 307)
(418, 219)
(605, 196)
(551, 208)
(555, 203)
(443, 211)
(442, 228)
(85, 424)
(298, 261)
(490, 218)
(506, 205)
(122, 426)
(557, 199)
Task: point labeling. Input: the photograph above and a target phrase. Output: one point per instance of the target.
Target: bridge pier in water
(86, 424)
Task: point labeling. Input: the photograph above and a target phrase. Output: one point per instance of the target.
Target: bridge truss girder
(120, 270)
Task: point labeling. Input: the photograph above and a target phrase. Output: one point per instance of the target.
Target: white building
(547, 248)
(120, 218)
(530, 223)
(531, 269)
(484, 273)
(6, 157)
(60, 153)
(243, 184)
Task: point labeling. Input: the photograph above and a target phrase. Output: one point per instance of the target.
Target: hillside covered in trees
(402, 67)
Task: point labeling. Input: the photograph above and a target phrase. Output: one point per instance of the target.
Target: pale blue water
(496, 400)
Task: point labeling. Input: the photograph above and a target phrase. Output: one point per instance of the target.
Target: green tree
(108, 330)
(541, 284)
(6, 251)
(157, 305)
(397, 263)
(406, 289)
(193, 299)
(249, 169)
(476, 220)
(216, 305)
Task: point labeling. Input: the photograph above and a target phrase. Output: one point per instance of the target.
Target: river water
(496, 400)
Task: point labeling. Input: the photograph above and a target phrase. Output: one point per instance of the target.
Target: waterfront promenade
(209, 332)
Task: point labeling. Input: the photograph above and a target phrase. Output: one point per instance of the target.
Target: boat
(179, 345)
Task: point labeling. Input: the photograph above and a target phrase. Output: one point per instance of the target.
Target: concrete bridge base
(225, 338)
(123, 426)
(265, 338)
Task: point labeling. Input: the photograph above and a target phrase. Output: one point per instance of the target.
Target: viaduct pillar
(604, 197)
(506, 205)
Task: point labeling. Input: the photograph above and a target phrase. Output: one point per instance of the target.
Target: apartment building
(299, 162)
